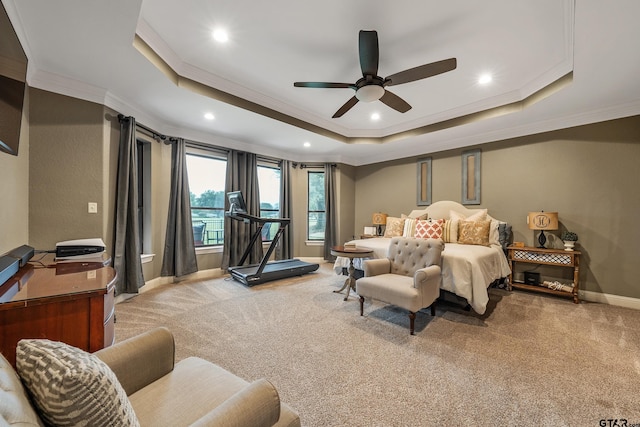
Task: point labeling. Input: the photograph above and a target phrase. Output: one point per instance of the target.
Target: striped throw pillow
(72, 387)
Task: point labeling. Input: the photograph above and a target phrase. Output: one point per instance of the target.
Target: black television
(236, 202)
(13, 74)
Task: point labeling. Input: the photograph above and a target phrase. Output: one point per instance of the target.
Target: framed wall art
(471, 177)
(424, 182)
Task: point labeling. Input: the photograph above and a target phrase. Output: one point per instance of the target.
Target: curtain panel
(330, 230)
(126, 242)
(284, 250)
(242, 175)
(179, 257)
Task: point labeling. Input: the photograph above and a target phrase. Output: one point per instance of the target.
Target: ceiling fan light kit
(371, 87)
(370, 93)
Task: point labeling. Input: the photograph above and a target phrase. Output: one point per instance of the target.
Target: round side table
(350, 253)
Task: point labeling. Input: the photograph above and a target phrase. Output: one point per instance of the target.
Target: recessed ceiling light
(485, 79)
(375, 117)
(209, 116)
(307, 144)
(220, 35)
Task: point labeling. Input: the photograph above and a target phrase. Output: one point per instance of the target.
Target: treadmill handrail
(241, 216)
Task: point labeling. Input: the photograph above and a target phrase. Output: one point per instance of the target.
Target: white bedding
(467, 270)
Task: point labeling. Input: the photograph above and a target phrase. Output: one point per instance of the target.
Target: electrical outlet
(93, 207)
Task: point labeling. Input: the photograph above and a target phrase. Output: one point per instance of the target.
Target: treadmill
(265, 271)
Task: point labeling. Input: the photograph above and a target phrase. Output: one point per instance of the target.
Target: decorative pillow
(429, 229)
(474, 232)
(481, 215)
(418, 214)
(395, 227)
(409, 227)
(450, 231)
(72, 387)
(494, 234)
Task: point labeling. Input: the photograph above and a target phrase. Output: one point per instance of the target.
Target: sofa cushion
(15, 408)
(70, 386)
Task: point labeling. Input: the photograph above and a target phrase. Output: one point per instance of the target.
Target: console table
(544, 256)
(72, 302)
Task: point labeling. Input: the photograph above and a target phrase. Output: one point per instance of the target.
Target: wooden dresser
(72, 302)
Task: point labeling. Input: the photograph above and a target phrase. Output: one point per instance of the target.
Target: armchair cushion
(70, 386)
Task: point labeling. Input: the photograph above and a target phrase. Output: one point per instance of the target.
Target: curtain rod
(150, 132)
(312, 165)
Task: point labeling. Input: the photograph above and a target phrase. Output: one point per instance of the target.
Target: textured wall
(14, 190)
(589, 174)
(66, 169)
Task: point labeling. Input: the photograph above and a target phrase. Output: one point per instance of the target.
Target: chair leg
(412, 320)
(433, 308)
(361, 305)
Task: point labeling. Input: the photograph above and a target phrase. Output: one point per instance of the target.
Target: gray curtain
(126, 241)
(179, 249)
(242, 175)
(284, 249)
(330, 231)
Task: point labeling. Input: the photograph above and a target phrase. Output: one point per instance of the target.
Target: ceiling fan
(371, 87)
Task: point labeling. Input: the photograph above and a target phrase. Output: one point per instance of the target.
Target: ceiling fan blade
(422, 72)
(369, 52)
(395, 102)
(325, 85)
(346, 107)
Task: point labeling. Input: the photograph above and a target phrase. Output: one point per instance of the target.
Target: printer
(80, 248)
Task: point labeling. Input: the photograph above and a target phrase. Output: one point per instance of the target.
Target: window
(316, 213)
(207, 173)
(269, 185)
(143, 149)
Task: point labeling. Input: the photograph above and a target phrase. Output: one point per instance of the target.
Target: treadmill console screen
(236, 202)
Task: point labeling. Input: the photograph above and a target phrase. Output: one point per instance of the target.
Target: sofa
(134, 382)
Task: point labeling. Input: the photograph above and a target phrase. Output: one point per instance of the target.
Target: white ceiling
(86, 49)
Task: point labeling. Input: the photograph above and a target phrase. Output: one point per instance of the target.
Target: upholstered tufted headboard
(442, 208)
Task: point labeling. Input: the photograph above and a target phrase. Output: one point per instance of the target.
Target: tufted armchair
(409, 277)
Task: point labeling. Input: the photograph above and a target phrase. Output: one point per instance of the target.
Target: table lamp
(542, 221)
(379, 219)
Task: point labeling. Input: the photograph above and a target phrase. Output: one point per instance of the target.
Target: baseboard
(315, 259)
(162, 281)
(610, 299)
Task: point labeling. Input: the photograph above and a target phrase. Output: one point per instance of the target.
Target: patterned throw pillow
(429, 229)
(474, 232)
(395, 227)
(72, 387)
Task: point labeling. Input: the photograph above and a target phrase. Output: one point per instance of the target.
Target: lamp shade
(379, 218)
(543, 220)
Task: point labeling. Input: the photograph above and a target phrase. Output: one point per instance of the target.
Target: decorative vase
(568, 245)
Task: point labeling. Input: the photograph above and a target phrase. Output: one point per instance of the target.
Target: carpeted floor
(531, 360)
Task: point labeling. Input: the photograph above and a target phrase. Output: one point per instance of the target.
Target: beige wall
(588, 174)
(14, 190)
(66, 169)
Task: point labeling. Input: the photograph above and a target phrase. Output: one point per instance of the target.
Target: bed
(468, 269)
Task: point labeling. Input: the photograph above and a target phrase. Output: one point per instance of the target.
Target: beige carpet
(531, 360)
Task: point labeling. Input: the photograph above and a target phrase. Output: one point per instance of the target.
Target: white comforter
(467, 270)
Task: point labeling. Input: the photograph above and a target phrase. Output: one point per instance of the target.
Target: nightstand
(543, 256)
